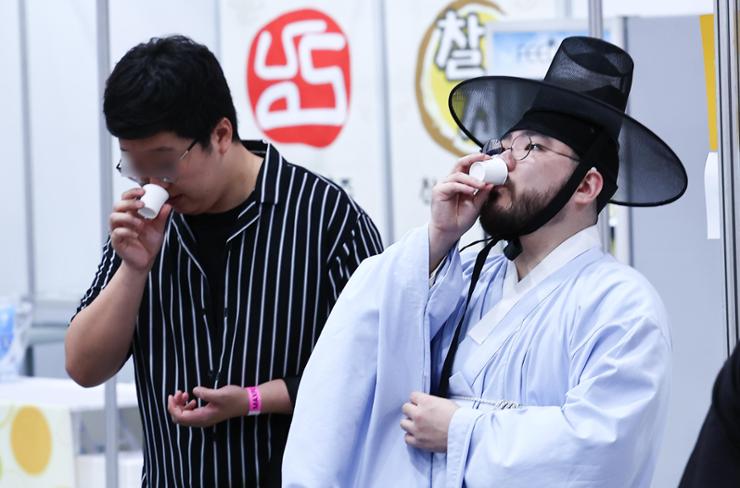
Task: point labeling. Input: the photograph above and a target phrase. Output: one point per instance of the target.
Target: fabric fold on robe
(375, 335)
(584, 354)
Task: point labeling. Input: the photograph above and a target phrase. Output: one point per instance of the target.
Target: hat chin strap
(514, 247)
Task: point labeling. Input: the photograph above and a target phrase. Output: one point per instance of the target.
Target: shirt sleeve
(358, 242)
(108, 266)
(292, 383)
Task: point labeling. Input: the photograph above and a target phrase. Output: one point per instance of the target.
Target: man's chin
(180, 205)
(498, 221)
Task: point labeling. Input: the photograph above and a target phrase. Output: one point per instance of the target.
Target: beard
(509, 222)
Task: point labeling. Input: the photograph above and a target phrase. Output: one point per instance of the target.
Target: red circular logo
(298, 78)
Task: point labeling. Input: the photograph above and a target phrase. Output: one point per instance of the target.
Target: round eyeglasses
(520, 147)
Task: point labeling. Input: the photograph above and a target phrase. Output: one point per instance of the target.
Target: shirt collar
(266, 190)
(267, 186)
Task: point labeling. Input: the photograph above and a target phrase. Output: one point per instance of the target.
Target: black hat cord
(444, 380)
(514, 248)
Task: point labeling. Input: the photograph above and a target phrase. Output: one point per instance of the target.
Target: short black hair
(168, 84)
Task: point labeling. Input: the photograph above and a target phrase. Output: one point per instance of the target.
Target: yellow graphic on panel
(707, 40)
(30, 439)
(453, 49)
(36, 447)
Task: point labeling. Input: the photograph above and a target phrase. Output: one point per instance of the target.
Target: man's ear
(222, 134)
(590, 187)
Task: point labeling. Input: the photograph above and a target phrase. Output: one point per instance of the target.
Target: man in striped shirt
(228, 287)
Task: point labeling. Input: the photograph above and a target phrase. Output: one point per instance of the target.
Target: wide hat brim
(650, 173)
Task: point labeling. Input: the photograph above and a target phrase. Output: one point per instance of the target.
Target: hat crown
(594, 68)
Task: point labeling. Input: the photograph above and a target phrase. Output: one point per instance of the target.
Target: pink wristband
(255, 400)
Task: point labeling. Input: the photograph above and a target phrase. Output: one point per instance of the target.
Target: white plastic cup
(492, 170)
(154, 197)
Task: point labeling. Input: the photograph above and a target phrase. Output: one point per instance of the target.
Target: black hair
(168, 84)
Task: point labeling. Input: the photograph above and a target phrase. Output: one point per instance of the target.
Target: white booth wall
(13, 248)
(670, 245)
(64, 143)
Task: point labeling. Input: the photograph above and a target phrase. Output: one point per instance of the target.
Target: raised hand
(135, 239)
(456, 203)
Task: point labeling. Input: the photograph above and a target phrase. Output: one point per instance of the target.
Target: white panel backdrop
(13, 245)
(64, 109)
(418, 160)
(64, 142)
(620, 8)
(355, 158)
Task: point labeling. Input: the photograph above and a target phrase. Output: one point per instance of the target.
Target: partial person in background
(554, 370)
(715, 461)
(228, 287)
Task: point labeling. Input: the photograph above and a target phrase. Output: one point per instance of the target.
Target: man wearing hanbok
(547, 365)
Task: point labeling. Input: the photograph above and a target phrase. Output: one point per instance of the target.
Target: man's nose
(508, 158)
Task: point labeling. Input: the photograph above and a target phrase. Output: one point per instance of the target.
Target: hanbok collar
(513, 290)
(575, 245)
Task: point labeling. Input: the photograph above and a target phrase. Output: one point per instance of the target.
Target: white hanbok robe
(580, 347)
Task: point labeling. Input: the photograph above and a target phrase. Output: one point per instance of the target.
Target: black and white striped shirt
(289, 254)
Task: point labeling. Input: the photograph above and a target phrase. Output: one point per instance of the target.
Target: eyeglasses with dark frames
(521, 146)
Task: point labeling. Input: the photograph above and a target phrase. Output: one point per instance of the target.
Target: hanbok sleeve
(611, 421)
(371, 354)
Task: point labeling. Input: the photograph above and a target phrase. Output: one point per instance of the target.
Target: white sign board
(306, 79)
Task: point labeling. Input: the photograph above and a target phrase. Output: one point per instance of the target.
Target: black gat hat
(581, 102)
